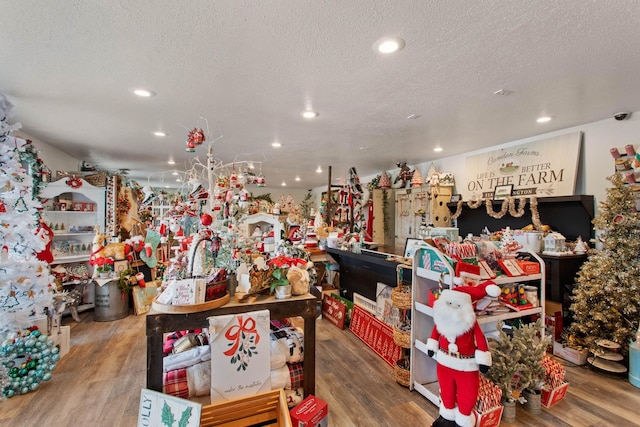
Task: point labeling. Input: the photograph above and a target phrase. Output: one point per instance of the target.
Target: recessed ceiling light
(308, 114)
(413, 116)
(171, 162)
(276, 144)
(251, 166)
(284, 184)
(319, 170)
(159, 133)
(438, 149)
(389, 45)
(174, 173)
(178, 180)
(145, 93)
(543, 119)
(297, 178)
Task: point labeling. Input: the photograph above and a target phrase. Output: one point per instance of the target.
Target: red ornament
(196, 137)
(206, 219)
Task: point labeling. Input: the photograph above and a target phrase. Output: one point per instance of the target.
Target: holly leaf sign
(184, 419)
(167, 415)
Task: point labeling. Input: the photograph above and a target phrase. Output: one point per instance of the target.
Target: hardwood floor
(98, 384)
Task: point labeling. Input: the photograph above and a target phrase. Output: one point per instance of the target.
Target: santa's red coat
(467, 351)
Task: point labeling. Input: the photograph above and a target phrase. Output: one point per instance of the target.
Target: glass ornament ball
(46, 352)
(34, 386)
(9, 393)
(47, 376)
(55, 350)
(9, 364)
(52, 366)
(36, 333)
(43, 338)
(24, 390)
(30, 343)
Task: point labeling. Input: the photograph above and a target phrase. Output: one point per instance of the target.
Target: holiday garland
(508, 205)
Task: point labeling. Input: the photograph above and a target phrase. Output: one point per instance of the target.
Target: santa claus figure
(459, 346)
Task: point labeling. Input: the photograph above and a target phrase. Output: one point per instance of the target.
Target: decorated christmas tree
(25, 282)
(605, 299)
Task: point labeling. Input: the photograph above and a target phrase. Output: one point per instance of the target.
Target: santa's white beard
(453, 322)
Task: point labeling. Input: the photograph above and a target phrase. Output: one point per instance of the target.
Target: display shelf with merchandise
(428, 278)
(73, 209)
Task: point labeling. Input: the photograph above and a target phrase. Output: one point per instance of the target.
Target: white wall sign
(542, 168)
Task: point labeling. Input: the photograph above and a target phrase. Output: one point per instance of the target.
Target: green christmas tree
(605, 301)
(506, 355)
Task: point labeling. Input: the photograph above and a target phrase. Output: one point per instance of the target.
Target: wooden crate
(265, 409)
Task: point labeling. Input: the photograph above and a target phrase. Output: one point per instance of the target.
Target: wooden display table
(161, 323)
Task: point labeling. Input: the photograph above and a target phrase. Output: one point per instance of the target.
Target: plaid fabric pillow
(175, 383)
(295, 373)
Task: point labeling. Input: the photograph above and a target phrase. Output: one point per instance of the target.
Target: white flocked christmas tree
(26, 289)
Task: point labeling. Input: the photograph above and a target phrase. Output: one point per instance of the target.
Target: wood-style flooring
(98, 384)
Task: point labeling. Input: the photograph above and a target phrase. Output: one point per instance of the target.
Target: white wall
(595, 164)
(57, 160)
(53, 158)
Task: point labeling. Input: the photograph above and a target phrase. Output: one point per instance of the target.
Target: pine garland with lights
(605, 302)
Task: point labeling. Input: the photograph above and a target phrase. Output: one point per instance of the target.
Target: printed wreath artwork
(243, 339)
(74, 182)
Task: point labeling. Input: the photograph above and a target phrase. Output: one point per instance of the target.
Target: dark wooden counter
(161, 323)
(360, 273)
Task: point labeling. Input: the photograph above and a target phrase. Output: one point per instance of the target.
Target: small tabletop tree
(533, 347)
(506, 356)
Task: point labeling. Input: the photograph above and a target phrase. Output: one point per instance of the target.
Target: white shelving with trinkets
(73, 208)
(424, 378)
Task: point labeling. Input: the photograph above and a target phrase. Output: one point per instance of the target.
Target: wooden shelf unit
(157, 324)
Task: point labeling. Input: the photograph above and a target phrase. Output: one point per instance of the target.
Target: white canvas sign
(240, 355)
(543, 168)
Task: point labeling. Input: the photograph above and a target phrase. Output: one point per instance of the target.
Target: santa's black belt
(456, 354)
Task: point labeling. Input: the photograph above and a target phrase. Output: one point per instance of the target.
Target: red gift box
(490, 418)
(552, 396)
(311, 412)
(529, 267)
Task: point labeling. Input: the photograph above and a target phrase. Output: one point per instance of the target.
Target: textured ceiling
(250, 67)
